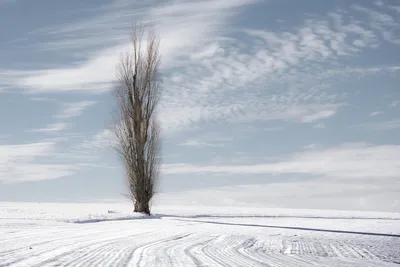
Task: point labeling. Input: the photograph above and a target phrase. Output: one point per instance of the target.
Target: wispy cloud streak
(349, 161)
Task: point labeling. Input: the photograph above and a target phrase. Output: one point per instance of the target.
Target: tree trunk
(136, 207)
(142, 207)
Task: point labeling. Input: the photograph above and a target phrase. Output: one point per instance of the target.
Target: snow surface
(108, 234)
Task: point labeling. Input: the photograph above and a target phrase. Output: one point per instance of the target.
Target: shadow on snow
(294, 228)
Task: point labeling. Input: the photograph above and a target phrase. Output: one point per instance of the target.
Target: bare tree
(137, 130)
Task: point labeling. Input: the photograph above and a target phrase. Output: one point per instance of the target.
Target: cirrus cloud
(349, 161)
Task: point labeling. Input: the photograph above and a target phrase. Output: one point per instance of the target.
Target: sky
(268, 102)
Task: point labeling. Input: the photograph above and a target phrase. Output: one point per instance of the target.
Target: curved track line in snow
(193, 250)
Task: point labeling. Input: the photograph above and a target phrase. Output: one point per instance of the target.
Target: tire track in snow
(62, 236)
(274, 257)
(299, 253)
(224, 251)
(246, 247)
(127, 249)
(142, 251)
(91, 253)
(34, 245)
(106, 255)
(236, 242)
(129, 257)
(211, 258)
(95, 250)
(168, 253)
(63, 247)
(194, 254)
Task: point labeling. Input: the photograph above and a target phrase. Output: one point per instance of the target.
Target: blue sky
(293, 105)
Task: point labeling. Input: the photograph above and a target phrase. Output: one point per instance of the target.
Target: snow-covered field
(107, 234)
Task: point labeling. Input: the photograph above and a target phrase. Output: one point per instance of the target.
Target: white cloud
(17, 163)
(209, 74)
(86, 150)
(326, 194)
(349, 161)
(208, 51)
(395, 103)
(318, 115)
(198, 143)
(273, 128)
(25, 151)
(38, 172)
(375, 113)
(281, 65)
(385, 23)
(319, 126)
(74, 109)
(312, 146)
(171, 20)
(101, 139)
(42, 99)
(396, 8)
(209, 139)
(55, 127)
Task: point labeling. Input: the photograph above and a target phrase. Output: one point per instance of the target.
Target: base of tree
(142, 208)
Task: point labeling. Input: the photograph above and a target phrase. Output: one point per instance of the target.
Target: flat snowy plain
(107, 234)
